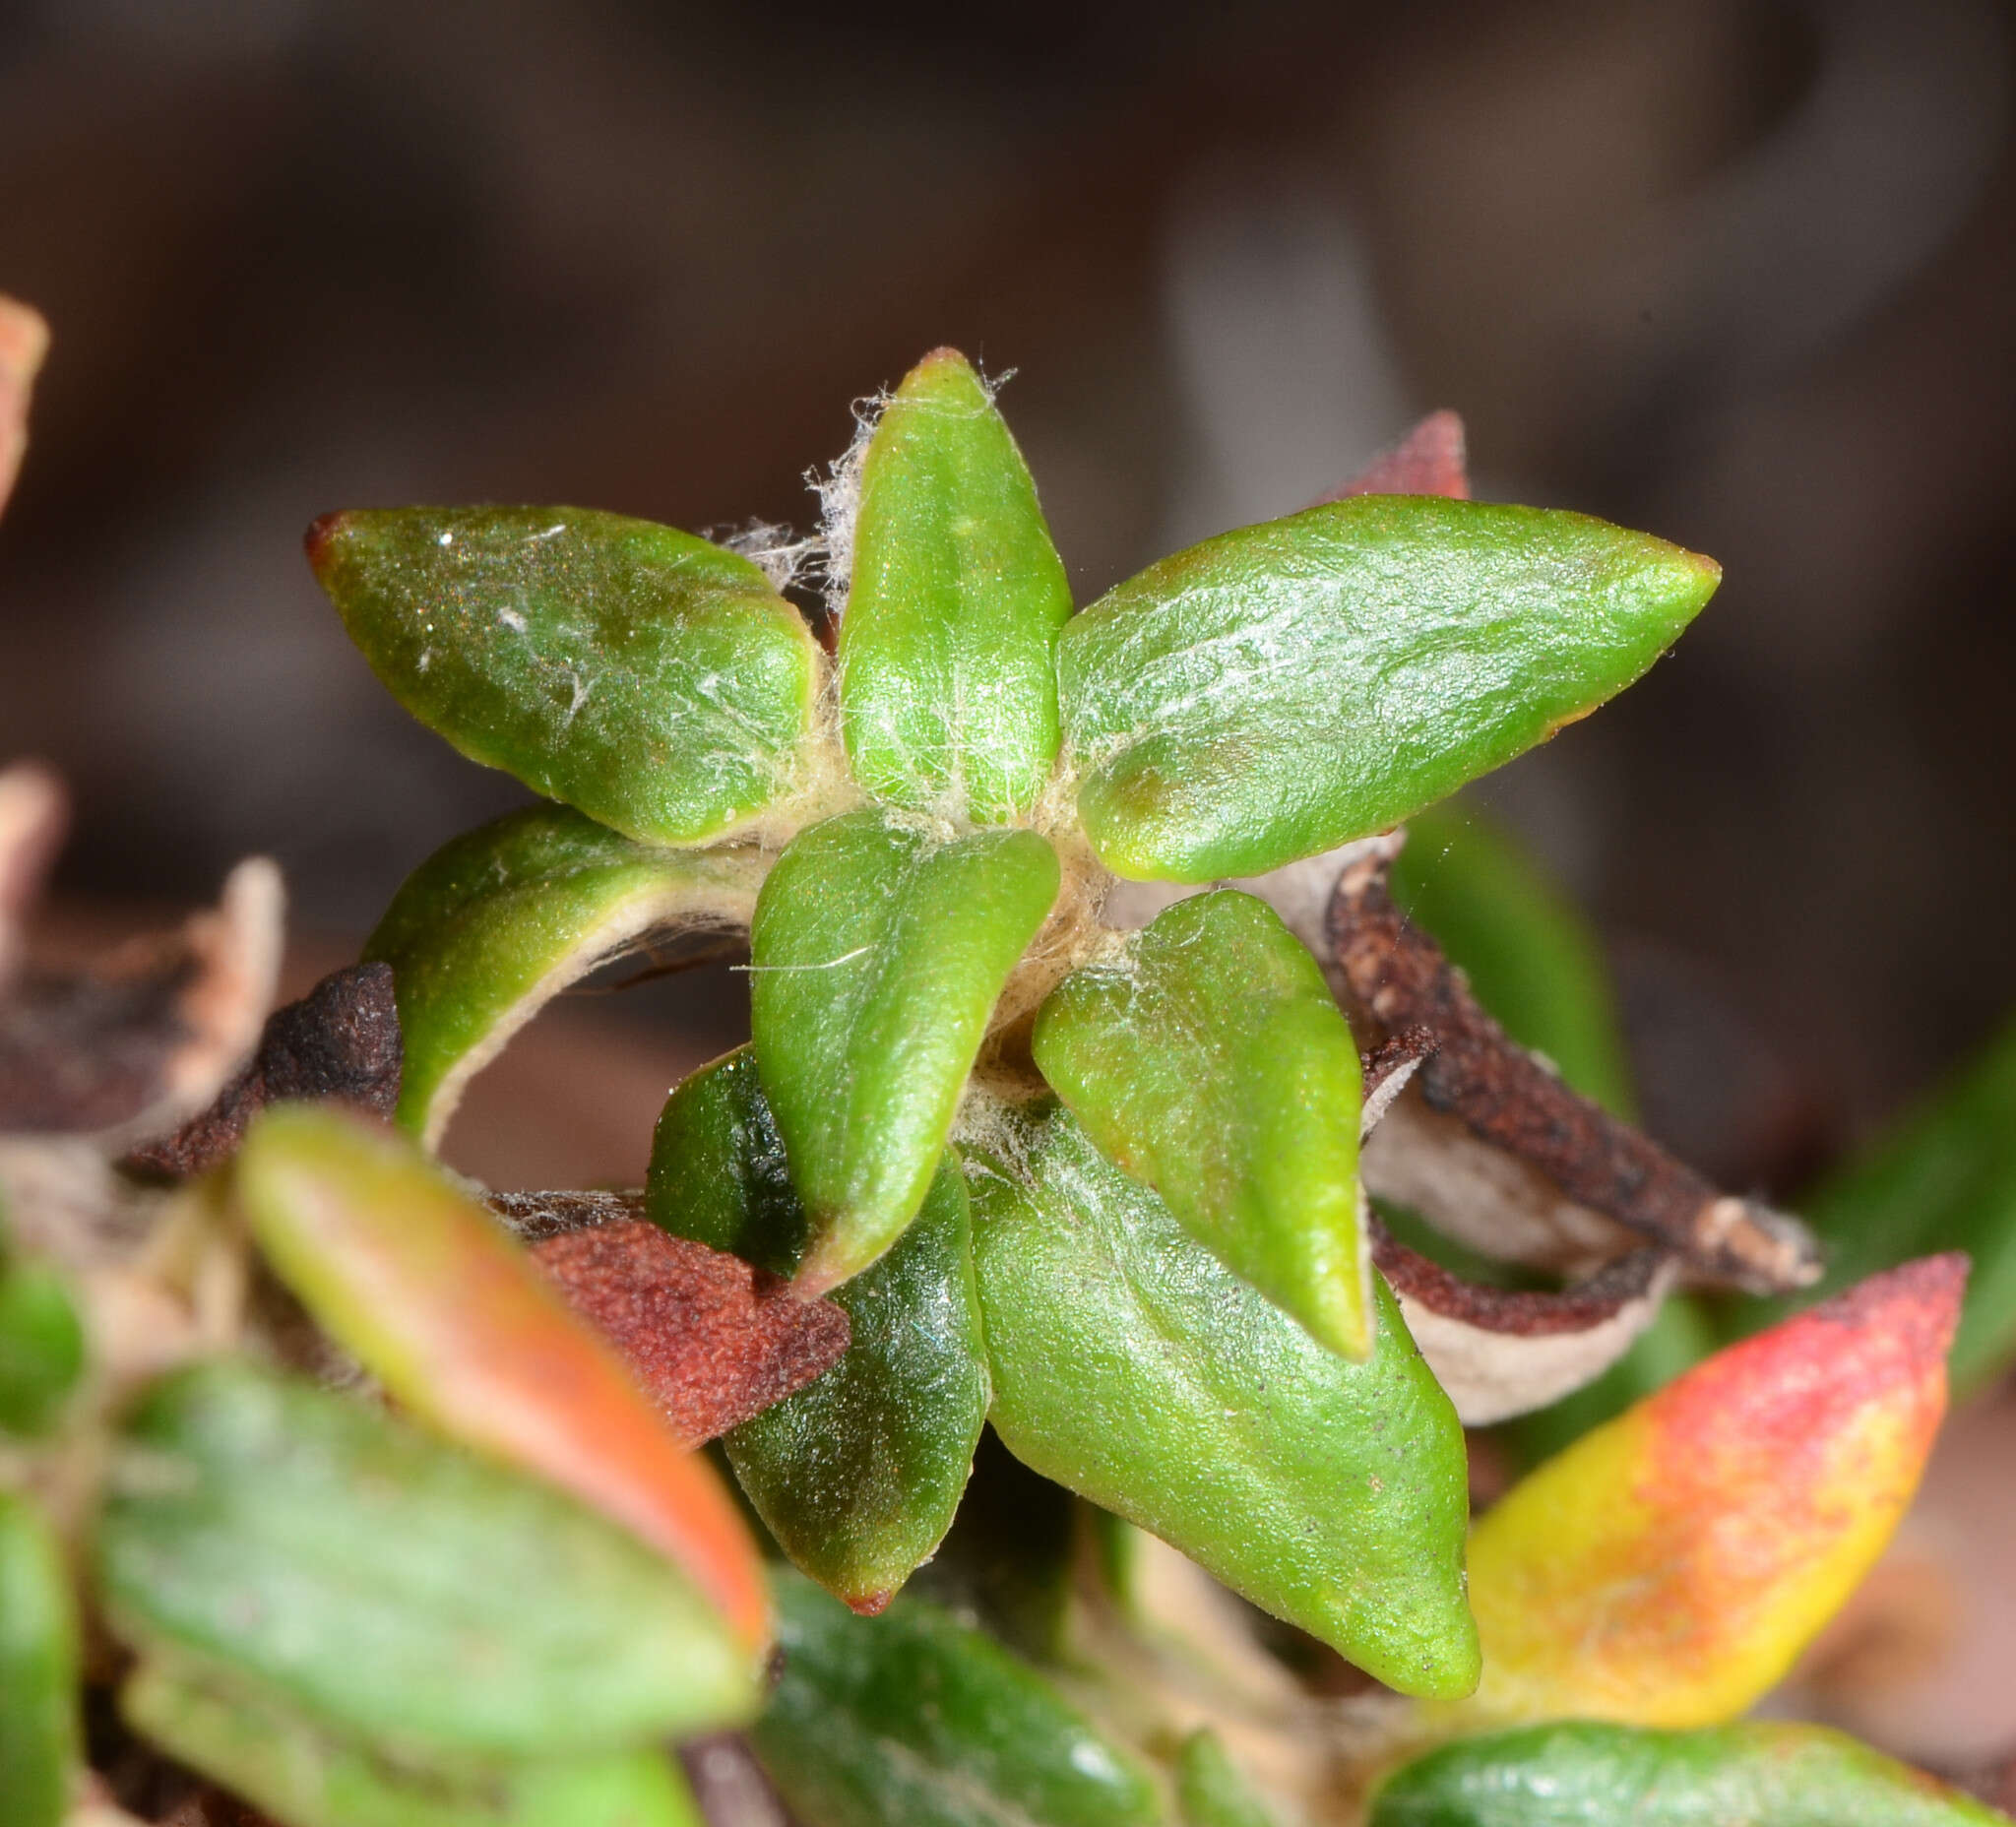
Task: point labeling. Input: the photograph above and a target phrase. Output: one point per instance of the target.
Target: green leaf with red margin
(1759, 1774)
(405, 1272)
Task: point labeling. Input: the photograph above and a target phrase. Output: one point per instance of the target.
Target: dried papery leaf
(34, 810)
(407, 1272)
(150, 1033)
(1502, 1351)
(1666, 1568)
(24, 341)
(1490, 1145)
(340, 1041)
(1431, 459)
(713, 1340)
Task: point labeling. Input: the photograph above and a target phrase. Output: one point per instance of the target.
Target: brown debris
(1394, 978)
(340, 1041)
(1429, 461)
(1518, 1312)
(34, 811)
(731, 1788)
(532, 1218)
(710, 1339)
(152, 1033)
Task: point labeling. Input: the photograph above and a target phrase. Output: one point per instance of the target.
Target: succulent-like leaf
(858, 1475)
(652, 680)
(1943, 1178)
(1211, 1790)
(1131, 1366)
(847, 1741)
(1669, 1566)
(42, 1345)
(878, 954)
(392, 1586)
(429, 1292)
(39, 1735)
(1759, 1774)
(1280, 689)
(1531, 958)
(501, 920)
(948, 688)
(1207, 1058)
(308, 1778)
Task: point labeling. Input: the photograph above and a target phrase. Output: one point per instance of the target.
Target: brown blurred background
(1737, 273)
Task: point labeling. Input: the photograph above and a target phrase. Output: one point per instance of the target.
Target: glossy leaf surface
(877, 958)
(1531, 958)
(650, 679)
(1666, 1568)
(42, 1345)
(308, 1778)
(847, 1742)
(39, 1735)
(392, 1586)
(501, 920)
(431, 1293)
(1281, 689)
(947, 682)
(858, 1475)
(1135, 1368)
(1944, 1178)
(1761, 1773)
(1208, 1057)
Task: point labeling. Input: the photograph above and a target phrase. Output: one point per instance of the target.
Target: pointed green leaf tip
(1134, 1368)
(858, 1475)
(876, 956)
(1287, 687)
(650, 679)
(947, 683)
(1758, 1774)
(1209, 1060)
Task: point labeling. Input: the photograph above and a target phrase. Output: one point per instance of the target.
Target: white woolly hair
(781, 553)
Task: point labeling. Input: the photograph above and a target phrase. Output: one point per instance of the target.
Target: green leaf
(947, 683)
(652, 680)
(910, 1719)
(393, 1587)
(1212, 1791)
(42, 1347)
(39, 1737)
(1207, 1057)
(288, 1768)
(858, 1475)
(876, 957)
(501, 920)
(1943, 1178)
(1751, 1775)
(1132, 1366)
(1531, 958)
(1281, 689)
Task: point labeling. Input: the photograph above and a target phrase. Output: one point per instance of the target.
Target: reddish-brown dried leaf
(712, 1340)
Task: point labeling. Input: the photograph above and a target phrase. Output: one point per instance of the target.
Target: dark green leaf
(876, 956)
(1751, 1775)
(1943, 1178)
(1208, 1057)
(393, 1587)
(42, 1345)
(652, 680)
(857, 1475)
(947, 684)
(1211, 1788)
(1531, 958)
(1283, 689)
(1132, 1366)
(503, 918)
(39, 1721)
(910, 1719)
(280, 1762)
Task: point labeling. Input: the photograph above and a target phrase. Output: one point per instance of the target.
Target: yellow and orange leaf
(458, 1323)
(1666, 1568)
